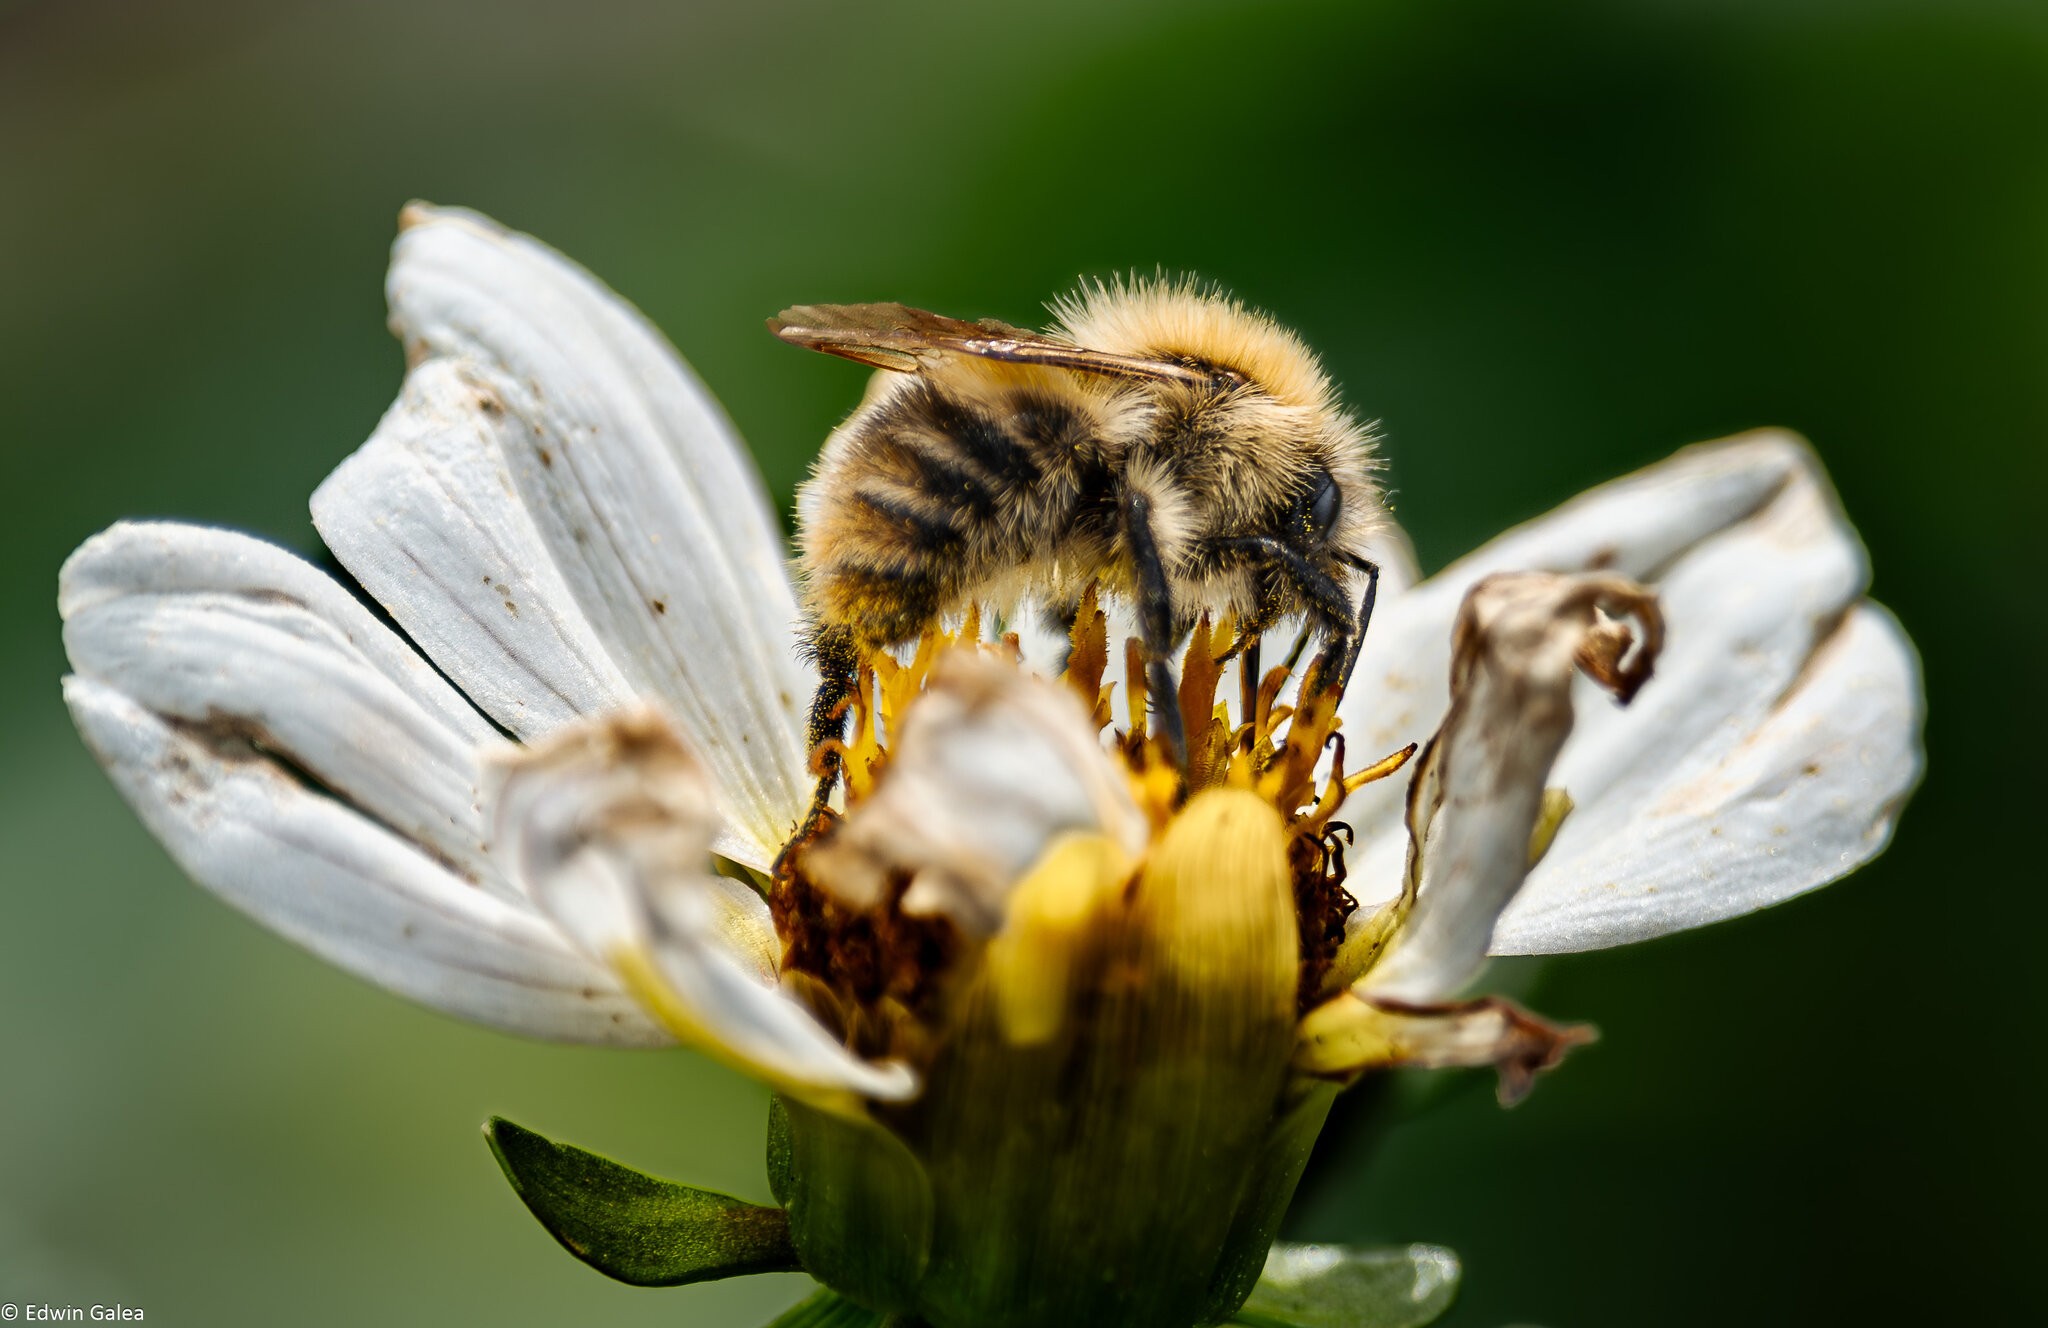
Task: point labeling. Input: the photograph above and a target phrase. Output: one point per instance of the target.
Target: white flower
(579, 554)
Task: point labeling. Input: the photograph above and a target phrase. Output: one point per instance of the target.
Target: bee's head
(1315, 538)
(1282, 476)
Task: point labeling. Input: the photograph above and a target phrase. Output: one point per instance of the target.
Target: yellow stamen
(886, 689)
(1379, 769)
(1088, 657)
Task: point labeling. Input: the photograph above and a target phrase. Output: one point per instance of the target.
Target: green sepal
(828, 1309)
(781, 1154)
(640, 1229)
(1259, 1211)
(1345, 1286)
(859, 1203)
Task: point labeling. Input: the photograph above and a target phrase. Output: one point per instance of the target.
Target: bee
(1162, 442)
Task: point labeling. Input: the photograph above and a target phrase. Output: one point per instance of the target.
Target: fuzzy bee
(1162, 442)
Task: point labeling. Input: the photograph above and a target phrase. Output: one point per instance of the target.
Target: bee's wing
(906, 340)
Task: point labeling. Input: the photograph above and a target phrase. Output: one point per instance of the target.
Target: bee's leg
(1345, 630)
(1253, 627)
(838, 661)
(1248, 681)
(1155, 624)
(1340, 655)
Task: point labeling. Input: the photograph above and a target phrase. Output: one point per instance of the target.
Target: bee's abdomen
(925, 498)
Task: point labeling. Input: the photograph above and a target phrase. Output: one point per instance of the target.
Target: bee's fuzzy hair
(1170, 316)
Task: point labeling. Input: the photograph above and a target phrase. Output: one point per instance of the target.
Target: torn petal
(348, 890)
(1477, 798)
(609, 824)
(1351, 1033)
(992, 766)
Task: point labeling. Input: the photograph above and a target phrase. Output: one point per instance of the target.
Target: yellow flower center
(878, 973)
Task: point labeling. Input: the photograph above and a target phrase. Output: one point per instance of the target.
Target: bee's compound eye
(1324, 505)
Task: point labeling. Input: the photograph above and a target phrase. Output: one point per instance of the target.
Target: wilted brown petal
(1478, 793)
(1353, 1033)
(1771, 757)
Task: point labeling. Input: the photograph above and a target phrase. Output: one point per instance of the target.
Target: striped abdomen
(930, 498)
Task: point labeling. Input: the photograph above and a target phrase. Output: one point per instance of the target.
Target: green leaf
(1345, 1286)
(827, 1310)
(637, 1228)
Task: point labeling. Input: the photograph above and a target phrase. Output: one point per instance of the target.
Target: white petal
(1394, 552)
(633, 485)
(1804, 794)
(992, 765)
(169, 557)
(318, 874)
(1045, 647)
(1744, 544)
(608, 826)
(220, 630)
(426, 517)
(1478, 790)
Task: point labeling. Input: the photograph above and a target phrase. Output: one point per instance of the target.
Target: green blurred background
(1544, 243)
